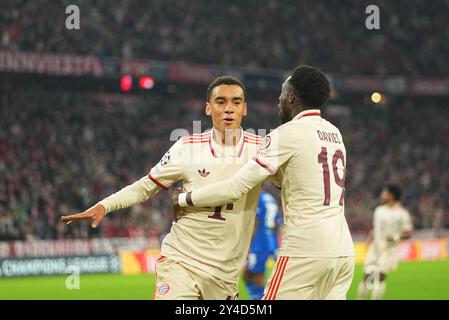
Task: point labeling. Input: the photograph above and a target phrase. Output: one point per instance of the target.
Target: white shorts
(380, 259)
(296, 278)
(180, 281)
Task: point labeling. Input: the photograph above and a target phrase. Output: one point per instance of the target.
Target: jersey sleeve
(138, 192)
(220, 193)
(170, 168)
(275, 150)
(406, 221)
(162, 175)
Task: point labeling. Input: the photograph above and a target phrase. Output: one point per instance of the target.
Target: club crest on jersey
(165, 159)
(203, 173)
(264, 146)
(266, 143)
(163, 288)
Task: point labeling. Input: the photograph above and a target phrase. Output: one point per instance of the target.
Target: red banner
(190, 73)
(407, 251)
(434, 250)
(363, 84)
(135, 67)
(431, 87)
(52, 64)
(54, 248)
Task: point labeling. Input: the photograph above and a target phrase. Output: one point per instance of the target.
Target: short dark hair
(394, 190)
(311, 85)
(227, 80)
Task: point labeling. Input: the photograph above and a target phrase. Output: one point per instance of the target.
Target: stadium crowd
(269, 34)
(60, 152)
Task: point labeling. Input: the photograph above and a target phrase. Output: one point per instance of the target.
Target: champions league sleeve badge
(165, 159)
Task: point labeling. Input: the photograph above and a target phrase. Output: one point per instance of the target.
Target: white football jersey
(389, 222)
(309, 157)
(214, 239)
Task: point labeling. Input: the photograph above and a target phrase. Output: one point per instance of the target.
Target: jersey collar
(308, 113)
(216, 148)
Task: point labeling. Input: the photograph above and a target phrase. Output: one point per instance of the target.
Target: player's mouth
(228, 121)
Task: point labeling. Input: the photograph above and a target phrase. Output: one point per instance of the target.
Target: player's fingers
(96, 221)
(75, 217)
(179, 212)
(174, 195)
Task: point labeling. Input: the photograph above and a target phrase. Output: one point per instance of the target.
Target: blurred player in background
(264, 244)
(202, 256)
(391, 224)
(308, 156)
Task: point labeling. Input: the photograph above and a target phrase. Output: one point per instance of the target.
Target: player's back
(313, 188)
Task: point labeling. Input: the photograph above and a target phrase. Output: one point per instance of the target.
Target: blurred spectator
(413, 38)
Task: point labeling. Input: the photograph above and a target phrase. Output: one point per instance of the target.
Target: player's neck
(296, 110)
(392, 204)
(229, 137)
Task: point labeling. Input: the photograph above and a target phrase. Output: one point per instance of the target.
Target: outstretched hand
(96, 214)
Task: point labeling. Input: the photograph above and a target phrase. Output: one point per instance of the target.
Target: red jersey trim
(264, 165)
(251, 138)
(195, 141)
(253, 141)
(250, 135)
(160, 184)
(211, 147)
(276, 280)
(307, 114)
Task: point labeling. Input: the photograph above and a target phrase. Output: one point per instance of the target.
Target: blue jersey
(269, 218)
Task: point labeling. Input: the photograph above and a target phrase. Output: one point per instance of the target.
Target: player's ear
(208, 109)
(291, 97)
(245, 109)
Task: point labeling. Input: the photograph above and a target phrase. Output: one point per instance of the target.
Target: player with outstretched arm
(202, 256)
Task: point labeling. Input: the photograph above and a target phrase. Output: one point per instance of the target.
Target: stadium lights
(142, 83)
(376, 97)
(146, 83)
(126, 83)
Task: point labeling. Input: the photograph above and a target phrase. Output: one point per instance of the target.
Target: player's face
(227, 107)
(385, 196)
(285, 100)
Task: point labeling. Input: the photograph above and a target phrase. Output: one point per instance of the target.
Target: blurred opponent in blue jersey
(264, 244)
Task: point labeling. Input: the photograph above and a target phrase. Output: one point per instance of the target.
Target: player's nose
(229, 109)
